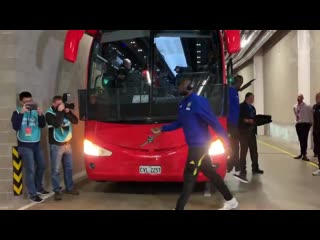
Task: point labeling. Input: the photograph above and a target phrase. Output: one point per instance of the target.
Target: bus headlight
(216, 148)
(94, 150)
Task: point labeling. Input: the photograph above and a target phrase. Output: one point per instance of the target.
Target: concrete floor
(286, 184)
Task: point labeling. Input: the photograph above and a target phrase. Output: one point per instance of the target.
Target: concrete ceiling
(251, 42)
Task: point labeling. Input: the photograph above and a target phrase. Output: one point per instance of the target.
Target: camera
(65, 101)
(32, 106)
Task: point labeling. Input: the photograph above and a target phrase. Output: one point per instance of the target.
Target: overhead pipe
(253, 36)
(266, 36)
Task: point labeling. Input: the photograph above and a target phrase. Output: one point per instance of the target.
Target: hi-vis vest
(61, 134)
(29, 120)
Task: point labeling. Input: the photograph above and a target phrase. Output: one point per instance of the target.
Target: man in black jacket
(316, 131)
(60, 120)
(248, 140)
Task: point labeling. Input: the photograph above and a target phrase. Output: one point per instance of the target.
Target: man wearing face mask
(194, 117)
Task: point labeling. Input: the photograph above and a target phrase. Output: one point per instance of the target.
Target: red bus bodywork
(124, 141)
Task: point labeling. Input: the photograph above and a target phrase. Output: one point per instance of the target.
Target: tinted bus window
(178, 54)
(134, 74)
(118, 82)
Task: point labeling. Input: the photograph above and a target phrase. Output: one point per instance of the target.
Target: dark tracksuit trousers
(248, 140)
(316, 140)
(303, 133)
(234, 160)
(199, 161)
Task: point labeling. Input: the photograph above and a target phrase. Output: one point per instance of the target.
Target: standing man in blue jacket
(194, 117)
(233, 123)
(28, 123)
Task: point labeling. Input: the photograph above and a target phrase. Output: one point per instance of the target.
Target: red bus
(132, 87)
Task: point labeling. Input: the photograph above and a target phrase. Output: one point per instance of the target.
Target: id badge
(28, 132)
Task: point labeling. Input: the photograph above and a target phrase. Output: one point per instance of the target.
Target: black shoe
(241, 177)
(36, 199)
(258, 171)
(305, 158)
(43, 192)
(229, 167)
(298, 157)
(57, 196)
(72, 192)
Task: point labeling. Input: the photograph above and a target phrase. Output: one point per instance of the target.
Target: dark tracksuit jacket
(194, 117)
(56, 121)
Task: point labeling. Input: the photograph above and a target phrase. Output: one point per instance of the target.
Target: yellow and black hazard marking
(17, 172)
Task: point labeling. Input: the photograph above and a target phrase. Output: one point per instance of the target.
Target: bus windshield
(134, 74)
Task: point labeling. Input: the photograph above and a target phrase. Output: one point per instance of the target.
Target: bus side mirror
(233, 41)
(71, 44)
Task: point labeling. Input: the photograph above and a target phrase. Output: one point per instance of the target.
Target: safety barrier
(17, 172)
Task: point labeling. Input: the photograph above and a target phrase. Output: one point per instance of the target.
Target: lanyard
(28, 117)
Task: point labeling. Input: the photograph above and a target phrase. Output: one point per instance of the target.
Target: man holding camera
(27, 121)
(60, 119)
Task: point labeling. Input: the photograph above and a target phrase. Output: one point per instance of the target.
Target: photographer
(28, 120)
(60, 120)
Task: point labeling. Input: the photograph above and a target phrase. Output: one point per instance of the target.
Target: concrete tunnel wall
(315, 64)
(281, 81)
(280, 72)
(33, 61)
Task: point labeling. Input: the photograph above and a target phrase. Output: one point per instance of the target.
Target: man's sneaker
(241, 177)
(316, 173)
(237, 172)
(258, 171)
(43, 192)
(229, 205)
(305, 158)
(72, 192)
(36, 199)
(57, 196)
(298, 157)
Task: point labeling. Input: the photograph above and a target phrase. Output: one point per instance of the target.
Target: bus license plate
(150, 170)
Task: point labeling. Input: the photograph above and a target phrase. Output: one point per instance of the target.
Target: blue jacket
(234, 107)
(195, 115)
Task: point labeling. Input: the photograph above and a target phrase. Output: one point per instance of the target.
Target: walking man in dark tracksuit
(316, 131)
(194, 116)
(233, 123)
(248, 139)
